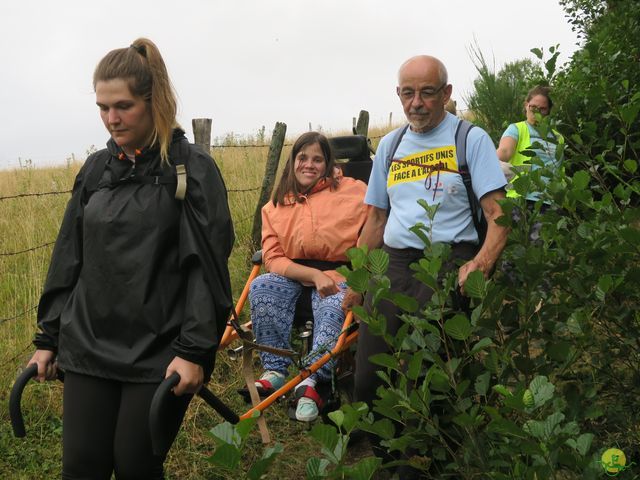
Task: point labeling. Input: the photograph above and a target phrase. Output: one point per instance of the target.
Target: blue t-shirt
(425, 167)
(545, 152)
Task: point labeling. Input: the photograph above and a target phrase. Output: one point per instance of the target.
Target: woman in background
(524, 135)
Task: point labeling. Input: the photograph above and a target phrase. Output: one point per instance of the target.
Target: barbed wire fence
(31, 249)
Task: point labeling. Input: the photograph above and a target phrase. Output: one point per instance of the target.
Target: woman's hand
(325, 284)
(351, 299)
(47, 367)
(191, 376)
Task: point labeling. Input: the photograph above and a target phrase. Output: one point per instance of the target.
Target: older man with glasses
(425, 166)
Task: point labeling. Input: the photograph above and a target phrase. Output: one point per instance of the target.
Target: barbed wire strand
(35, 194)
(9, 254)
(235, 190)
(15, 317)
(10, 361)
(41, 194)
(264, 145)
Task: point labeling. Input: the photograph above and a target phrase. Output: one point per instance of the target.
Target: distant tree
(598, 93)
(498, 96)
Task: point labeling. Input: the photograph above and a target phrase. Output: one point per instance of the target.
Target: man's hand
(191, 376)
(466, 269)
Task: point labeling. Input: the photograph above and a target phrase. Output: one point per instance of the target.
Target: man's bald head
(424, 63)
(423, 90)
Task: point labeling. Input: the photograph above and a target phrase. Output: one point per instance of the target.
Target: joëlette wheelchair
(353, 155)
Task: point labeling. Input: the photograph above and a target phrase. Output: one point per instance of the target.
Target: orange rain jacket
(323, 226)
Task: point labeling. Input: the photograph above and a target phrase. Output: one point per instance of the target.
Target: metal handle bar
(160, 440)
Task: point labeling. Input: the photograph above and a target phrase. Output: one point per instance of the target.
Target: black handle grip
(217, 404)
(160, 438)
(15, 412)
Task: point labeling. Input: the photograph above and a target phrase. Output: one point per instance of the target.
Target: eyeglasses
(541, 110)
(425, 94)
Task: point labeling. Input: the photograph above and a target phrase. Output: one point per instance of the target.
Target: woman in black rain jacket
(138, 286)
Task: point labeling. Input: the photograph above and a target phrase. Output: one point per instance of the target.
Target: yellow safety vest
(524, 142)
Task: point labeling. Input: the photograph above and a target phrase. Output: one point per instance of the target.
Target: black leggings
(106, 429)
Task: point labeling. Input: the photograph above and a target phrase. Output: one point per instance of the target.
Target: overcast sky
(246, 63)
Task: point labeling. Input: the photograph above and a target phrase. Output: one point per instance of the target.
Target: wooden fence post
(273, 158)
(362, 127)
(202, 133)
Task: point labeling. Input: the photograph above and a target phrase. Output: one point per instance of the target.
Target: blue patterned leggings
(273, 302)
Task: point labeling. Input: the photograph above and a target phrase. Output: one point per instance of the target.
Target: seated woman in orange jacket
(315, 215)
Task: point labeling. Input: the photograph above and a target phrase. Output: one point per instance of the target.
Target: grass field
(28, 228)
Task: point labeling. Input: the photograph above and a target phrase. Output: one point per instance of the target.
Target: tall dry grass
(28, 227)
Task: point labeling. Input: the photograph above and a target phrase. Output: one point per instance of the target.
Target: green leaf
(580, 180)
(476, 286)
(405, 302)
(226, 456)
(604, 285)
(481, 345)
(327, 437)
(378, 261)
(482, 383)
(364, 469)
(537, 52)
(452, 365)
(439, 380)
(316, 468)
(502, 390)
(544, 429)
(458, 327)
(260, 467)
(502, 426)
(630, 165)
(462, 386)
(225, 433)
(575, 322)
(542, 390)
(337, 417)
(382, 428)
(582, 444)
(244, 427)
(385, 360)
(629, 112)
(464, 420)
(358, 257)
(415, 366)
(358, 280)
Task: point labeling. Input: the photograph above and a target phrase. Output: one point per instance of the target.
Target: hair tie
(140, 49)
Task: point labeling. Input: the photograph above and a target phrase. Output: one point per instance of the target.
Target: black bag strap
(462, 131)
(395, 143)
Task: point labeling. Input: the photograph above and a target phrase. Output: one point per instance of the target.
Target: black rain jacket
(136, 276)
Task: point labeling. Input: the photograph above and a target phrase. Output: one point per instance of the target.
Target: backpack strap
(462, 132)
(395, 143)
(181, 186)
(180, 151)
